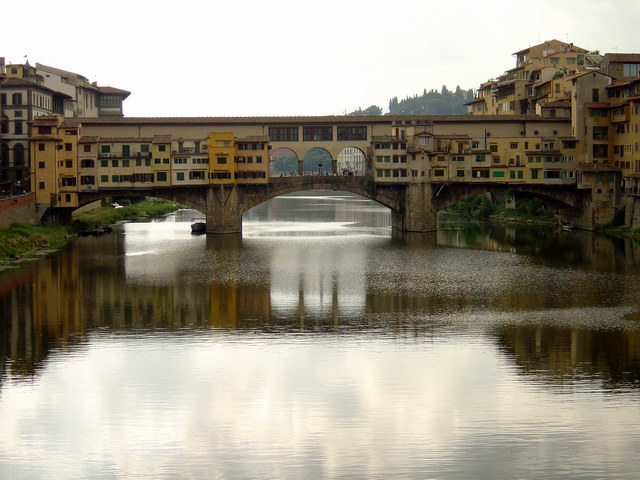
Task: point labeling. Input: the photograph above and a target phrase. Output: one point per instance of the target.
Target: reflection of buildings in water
(311, 280)
(560, 356)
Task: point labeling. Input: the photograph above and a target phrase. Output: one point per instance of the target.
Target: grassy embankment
(20, 239)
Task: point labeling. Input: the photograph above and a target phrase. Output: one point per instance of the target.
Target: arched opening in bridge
(317, 212)
(317, 161)
(283, 161)
(352, 161)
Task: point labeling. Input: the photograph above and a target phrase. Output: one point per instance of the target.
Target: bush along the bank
(481, 207)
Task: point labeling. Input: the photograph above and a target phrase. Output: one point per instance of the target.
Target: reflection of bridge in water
(60, 300)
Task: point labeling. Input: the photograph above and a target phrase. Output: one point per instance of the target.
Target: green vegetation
(108, 215)
(372, 110)
(20, 239)
(444, 102)
(483, 208)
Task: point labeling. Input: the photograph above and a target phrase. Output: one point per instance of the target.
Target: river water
(319, 345)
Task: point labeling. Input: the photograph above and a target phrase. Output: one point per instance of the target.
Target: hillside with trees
(433, 102)
(444, 102)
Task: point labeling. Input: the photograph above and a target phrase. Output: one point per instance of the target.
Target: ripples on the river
(322, 349)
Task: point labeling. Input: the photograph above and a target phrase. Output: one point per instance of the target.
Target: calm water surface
(317, 345)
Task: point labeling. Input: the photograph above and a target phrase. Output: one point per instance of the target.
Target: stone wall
(18, 209)
(632, 212)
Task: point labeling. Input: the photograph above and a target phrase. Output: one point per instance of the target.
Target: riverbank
(21, 240)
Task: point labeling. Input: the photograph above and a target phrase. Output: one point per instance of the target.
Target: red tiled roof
(162, 139)
(114, 91)
(597, 104)
(130, 139)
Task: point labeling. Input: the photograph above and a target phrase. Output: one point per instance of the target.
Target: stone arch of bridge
(392, 198)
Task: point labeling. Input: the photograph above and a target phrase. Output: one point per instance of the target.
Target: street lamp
(320, 168)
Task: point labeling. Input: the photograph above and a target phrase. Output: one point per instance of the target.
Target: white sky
(285, 57)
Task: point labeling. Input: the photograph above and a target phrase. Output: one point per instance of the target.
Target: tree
(432, 102)
(372, 110)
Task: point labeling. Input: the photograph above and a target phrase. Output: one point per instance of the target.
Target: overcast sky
(285, 57)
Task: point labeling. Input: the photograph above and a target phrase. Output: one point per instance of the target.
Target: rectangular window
(40, 164)
(41, 147)
(17, 128)
(317, 134)
(283, 134)
(221, 160)
(180, 176)
(104, 163)
(105, 148)
(600, 133)
(16, 99)
(115, 178)
(161, 176)
(86, 148)
(114, 163)
(68, 147)
(352, 133)
(125, 163)
(162, 148)
(104, 178)
(41, 185)
(498, 174)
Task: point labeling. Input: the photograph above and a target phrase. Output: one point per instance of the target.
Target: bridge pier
(223, 210)
(418, 212)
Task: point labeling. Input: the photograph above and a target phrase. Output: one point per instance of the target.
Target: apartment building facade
(28, 92)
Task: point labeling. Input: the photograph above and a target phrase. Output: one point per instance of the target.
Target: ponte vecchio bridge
(415, 165)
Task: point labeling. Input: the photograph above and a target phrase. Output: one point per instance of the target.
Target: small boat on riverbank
(566, 225)
(198, 227)
(95, 231)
